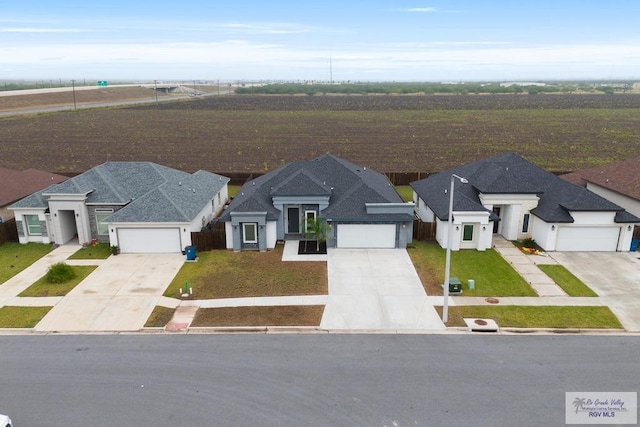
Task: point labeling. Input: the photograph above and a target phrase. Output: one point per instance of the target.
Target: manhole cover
(492, 300)
(480, 322)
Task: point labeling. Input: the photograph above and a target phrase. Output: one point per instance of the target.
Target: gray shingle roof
(511, 174)
(150, 192)
(349, 186)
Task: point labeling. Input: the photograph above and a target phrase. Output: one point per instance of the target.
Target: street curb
(305, 330)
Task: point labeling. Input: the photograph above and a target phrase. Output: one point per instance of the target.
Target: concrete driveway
(376, 289)
(614, 276)
(118, 296)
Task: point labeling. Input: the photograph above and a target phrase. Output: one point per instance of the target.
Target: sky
(376, 40)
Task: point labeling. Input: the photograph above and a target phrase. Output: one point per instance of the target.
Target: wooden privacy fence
(425, 231)
(8, 231)
(206, 240)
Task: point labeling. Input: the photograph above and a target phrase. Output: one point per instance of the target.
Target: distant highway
(224, 90)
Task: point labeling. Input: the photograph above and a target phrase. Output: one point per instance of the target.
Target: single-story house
(510, 196)
(618, 182)
(138, 206)
(15, 184)
(360, 207)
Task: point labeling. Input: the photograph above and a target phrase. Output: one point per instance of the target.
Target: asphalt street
(314, 380)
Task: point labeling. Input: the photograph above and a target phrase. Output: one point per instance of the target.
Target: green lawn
(573, 286)
(233, 189)
(100, 251)
(493, 276)
(227, 274)
(537, 317)
(406, 192)
(42, 288)
(15, 257)
(21, 317)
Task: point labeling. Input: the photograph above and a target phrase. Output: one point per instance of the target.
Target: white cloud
(422, 9)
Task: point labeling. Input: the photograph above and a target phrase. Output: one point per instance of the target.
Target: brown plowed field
(388, 133)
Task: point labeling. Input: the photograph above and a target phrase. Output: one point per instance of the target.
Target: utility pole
(155, 84)
(195, 91)
(73, 86)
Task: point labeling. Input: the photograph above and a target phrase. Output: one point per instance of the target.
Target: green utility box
(455, 285)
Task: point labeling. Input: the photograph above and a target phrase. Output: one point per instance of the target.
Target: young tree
(315, 230)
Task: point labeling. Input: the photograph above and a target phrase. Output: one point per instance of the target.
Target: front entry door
(496, 224)
(293, 220)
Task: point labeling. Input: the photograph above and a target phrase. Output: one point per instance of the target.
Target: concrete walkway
(527, 266)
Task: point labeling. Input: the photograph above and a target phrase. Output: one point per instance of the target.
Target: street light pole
(447, 264)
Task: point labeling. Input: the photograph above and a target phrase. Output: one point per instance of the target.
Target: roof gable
(301, 183)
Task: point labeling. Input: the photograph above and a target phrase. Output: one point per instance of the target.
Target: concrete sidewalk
(527, 266)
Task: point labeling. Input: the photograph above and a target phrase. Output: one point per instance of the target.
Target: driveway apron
(118, 296)
(376, 289)
(614, 276)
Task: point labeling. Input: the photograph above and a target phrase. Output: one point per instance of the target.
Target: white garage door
(587, 239)
(366, 236)
(149, 240)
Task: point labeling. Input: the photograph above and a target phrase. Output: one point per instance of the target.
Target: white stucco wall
(513, 208)
(593, 218)
(482, 231)
(422, 210)
(228, 231)
(630, 204)
(62, 228)
(272, 234)
(543, 234)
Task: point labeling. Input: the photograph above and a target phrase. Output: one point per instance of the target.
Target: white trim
(306, 219)
(244, 232)
(473, 233)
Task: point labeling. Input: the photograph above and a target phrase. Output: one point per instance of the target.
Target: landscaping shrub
(60, 273)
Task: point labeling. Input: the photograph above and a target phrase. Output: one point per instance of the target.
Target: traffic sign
(102, 83)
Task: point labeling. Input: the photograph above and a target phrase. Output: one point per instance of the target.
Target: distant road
(307, 380)
(224, 90)
(59, 89)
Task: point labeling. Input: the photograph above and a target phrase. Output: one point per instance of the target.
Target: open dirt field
(388, 133)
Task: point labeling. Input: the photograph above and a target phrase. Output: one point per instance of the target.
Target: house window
(101, 215)
(467, 233)
(219, 199)
(309, 220)
(525, 223)
(33, 225)
(249, 232)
